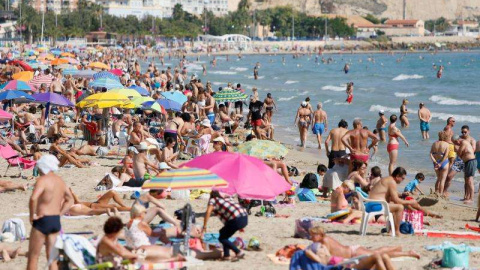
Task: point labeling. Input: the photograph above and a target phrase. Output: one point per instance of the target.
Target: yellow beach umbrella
(25, 76)
(98, 65)
(130, 93)
(67, 54)
(106, 100)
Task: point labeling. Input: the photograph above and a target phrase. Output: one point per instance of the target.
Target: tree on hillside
(439, 25)
(372, 19)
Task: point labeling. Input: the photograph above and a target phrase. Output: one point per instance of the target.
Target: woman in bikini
(339, 201)
(103, 202)
(439, 157)
(173, 128)
(359, 169)
(403, 114)
(63, 156)
(392, 146)
(304, 116)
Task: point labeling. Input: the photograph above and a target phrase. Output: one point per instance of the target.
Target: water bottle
(262, 210)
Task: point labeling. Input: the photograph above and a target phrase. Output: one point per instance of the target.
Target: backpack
(309, 181)
(16, 227)
(306, 195)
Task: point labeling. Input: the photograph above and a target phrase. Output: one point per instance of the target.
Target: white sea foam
(451, 101)
(404, 95)
(327, 101)
(194, 67)
(341, 103)
(291, 82)
(240, 69)
(287, 99)
(219, 83)
(333, 88)
(223, 72)
(259, 77)
(441, 116)
(403, 77)
(303, 93)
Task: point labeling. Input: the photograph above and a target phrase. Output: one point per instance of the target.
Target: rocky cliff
(393, 9)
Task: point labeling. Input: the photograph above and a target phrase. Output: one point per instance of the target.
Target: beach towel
(78, 249)
(278, 260)
(127, 189)
(16, 227)
(300, 261)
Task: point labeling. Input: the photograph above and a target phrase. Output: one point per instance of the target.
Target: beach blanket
(448, 234)
(278, 260)
(127, 189)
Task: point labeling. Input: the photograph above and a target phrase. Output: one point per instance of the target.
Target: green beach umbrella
(229, 95)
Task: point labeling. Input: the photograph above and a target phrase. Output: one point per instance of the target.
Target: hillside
(415, 9)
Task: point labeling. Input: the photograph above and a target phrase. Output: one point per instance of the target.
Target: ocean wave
(333, 88)
(240, 69)
(259, 77)
(440, 116)
(287, 99)
(303, 93)
(398, 94)
(223, 72)
(219, 83)
(403, 77)
(340, 103)
(194, 67)
(327, 101)
(451, 101)
(291, 82)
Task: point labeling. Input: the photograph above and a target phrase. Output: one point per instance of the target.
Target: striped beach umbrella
(42, 78)
(263, 149)
(106, 82)
(105, 74)
(185, 178)
(17, 85)
(229, 95)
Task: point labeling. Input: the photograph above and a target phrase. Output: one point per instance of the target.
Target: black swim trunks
(48, 224)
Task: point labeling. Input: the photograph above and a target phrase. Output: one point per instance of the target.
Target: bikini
(392, 146)
(444, 163)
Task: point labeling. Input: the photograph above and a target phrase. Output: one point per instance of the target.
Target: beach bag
(293, 170)
(415, 218)
(456, 256)
(301, 228)
(108, 182)
(16, 227)
(306, 195)
(406, 228)
(309, 181)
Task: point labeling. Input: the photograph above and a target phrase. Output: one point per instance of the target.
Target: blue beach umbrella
(14, 94)
(176, 96)
(105, 74)
(106, 82)
(141, 90)
(165, 103)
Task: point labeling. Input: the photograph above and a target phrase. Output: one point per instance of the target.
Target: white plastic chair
(385, 211)
(122, 140)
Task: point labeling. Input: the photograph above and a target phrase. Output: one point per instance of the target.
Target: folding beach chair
(15, 160)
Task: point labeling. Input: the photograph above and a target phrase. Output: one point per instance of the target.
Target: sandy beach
(273, 233)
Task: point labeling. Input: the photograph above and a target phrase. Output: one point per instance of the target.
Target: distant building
(404, 28)
(54, 5)
(464, 29)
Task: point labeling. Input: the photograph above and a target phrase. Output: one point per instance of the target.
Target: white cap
(304, 103)
(133, 149)
(206, 123)
(163, 166)
(220, 139)
(177, 86)
(381, 112)
(142, 146)
(48, 163)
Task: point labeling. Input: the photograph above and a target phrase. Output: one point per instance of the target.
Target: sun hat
(205, 123)
(219, 139)
(142, 146)
(163, 166)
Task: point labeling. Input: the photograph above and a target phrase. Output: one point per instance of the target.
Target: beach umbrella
(5, 116)
(169, 105)
(229, 95)
(23, 76)
(42, 78)
(67, 54)
(141, 90)
(263, 149)
(58, 61)
(138, 101)
(116, 71)
(52, 98)
(22, 64)
(17, 85)
(247, 176)
(154, 106)
(105, 74)
(106, 82)
(185, 178)
(106, 100)
(130, 93)
(176, 96)
(70, 60)
(46, 56)
(98, 65)
(14, 94)
(56, 51)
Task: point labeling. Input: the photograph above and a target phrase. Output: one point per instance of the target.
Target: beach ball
(239, 243)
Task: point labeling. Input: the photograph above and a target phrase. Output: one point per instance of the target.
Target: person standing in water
(392, 146)
(304, 117)
(320, 123)
(269, 104)
(425, 116)
(382, 125)
(349, 92)
(346, 68)
(440, 72)
(255, 70)
(403, 114)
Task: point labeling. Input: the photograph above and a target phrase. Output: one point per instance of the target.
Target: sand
(273, 233)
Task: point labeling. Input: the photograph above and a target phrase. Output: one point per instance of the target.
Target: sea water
(381, 82)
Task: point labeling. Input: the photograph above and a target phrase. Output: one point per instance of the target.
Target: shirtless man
(49, 201)
(140, 165)
(304, 117)
(356, 141)
(29, 117)
(386, 190)
(466, 152)
(338, 148)
(424, 116)
(138, 135)
(57, 129)
(382, 125)
(57, 85)
(449, 131)
(320, 125)
(227, 122)
(117, 126)
(269, 104)
(209, 106)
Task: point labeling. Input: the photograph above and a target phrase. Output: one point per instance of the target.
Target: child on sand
(412, 187)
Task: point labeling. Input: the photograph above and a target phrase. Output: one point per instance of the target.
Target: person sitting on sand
(9, 253)
(156, 208)
(56, 129)
(109, 249)
(140, 166)
(127, 161)
(339, 202)
(386, 189)
(169, 155)
(358, 173)
(412, 187)
(63, 156)
(375, 176)
(139, 135)
(379, 258)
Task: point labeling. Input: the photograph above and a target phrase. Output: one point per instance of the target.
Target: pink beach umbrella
(116, 72)
(4, 116)
(247, 176)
